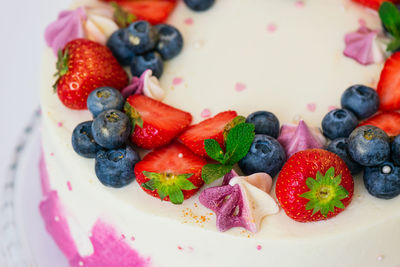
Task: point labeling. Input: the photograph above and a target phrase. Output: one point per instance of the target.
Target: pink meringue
(295, 138)
(241, 201)
(362, 46)
(147, 84)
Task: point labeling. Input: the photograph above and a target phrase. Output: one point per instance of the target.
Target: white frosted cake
(282, 56)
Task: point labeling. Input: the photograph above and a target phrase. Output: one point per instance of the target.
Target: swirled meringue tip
(365, 46)
(248, 203)
(151, 86)
(134, 88)
(295, 138)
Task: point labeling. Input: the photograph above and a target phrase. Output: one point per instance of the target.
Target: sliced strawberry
(154, 11)
(389, 84)
(169, 162)
(374, 4)
(212, 128)
(388, 121)
(161, 122)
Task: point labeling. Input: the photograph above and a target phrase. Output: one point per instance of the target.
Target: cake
(282, 56)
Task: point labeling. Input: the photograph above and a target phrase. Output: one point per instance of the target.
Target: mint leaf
(212, 172)
(390, 17)
(236, 121)
(393, 45)
(133, 115)
(238, 142)
(214, 150)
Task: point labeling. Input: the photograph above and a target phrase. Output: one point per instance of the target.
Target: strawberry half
(156, 123)
(83, 66)
(171, 173)
(212, 128)
(314, 185)
(389, 84)
(388, 121)
(374, 4)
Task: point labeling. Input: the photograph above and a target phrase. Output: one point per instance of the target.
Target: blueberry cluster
(106, 138)
(366, 148)
(142, 46)
(266, 154)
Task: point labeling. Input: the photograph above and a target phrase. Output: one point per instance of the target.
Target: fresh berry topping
(369, 145)
(314, 185)
(388, 121)
(83, 141)
(339, 123)
(155, 123)
(395, 149)
(363, 101)
(111, 129)
(140, 37)
(115, 168)
(265, 123)
(340, 147)
(120, 48)
(199, 5)
(153, 11)
(383, 181)
(171, 173)
(266, 154)
(83, 66)
(389, 84)
(150, 60)
(374, 4)
(170, 41)
(104, 98)
(212, 128)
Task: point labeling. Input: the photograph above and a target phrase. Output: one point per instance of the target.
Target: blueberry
(83, 141)
(383, 181)
(369, 145)
(170, 41)
(395, 148)
(266, 155)
(340, 147)
(104, 98)
(111, 128)
(363, 101)
(141, 37)
(119, 47)
(265, 123)
(151, 60)
(199, 5)
(115, 168)
(339, 123)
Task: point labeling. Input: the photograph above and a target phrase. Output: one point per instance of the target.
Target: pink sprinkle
(188, 21)
(330, 108)
(69, 186)
(271, 27)
(299, 4)
(190, 248)
(205, 113)
(51, 154)
(177, 81)
(259, 247)
(180, 248)
(132, 238)
(123, 236)
(60, 124)
(311, 107)
(362, 22)
(240, 87)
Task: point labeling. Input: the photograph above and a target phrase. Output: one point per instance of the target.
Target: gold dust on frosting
(190, 216)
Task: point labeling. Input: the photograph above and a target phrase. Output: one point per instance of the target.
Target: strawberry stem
(61, 65)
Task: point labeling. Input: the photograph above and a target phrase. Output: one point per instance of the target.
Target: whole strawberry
(314, 185)
(83, 66)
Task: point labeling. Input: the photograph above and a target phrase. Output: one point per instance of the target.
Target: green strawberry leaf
(390, 17)
(133, 115)
(168, 184)
(325, 193)
(238, 142)
(61, 66)
(214, 150)
(122, 17)
(212, 172)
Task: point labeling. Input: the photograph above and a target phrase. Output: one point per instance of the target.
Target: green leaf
(214, 150)
(236, 121)
(122, 17)
(238, 142)
(133, 115)
(61, 66)
(390, 17)
(212, 172)
(393, 45)
(175, 195)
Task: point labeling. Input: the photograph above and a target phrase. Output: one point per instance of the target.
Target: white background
(22, 24)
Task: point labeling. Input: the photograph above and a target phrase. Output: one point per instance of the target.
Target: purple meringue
(134, 88)
(147, 84)
(297, 138)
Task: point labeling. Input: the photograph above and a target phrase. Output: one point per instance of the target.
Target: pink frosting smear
(109, 249)
(295, 138)
(67, 27)
(359, 45)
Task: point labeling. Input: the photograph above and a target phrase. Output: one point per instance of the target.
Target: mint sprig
(238, 141)
(390, 17)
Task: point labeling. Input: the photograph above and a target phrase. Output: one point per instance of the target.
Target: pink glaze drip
(359, 45)
(69, 185)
